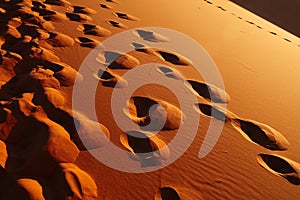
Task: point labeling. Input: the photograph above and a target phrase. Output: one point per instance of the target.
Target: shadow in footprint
(280, 166)
(116, 24)
(115, 60)
(167, 193)
(126, 16)
(212, 111)
(104, 6)
(260, 134)
(83, 10)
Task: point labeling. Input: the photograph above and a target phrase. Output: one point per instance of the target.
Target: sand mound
(116, 24)
(150, 36)
(60, 40)
(281, 166)
(33, 189)
(87, 42)
(3, 154)
(91, 29)
(173, 58)
(209, 91)
(90, 134)
(260, 134)
(77, 183)
(154, 115)
(126, 16)
(149, 150)
(49, 95)
(64, 73)
(109, 79)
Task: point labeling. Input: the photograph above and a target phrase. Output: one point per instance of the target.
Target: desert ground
(218, 123)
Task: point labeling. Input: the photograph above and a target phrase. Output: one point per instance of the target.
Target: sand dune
(281, 166)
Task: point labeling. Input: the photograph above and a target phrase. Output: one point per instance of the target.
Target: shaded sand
(281, 166)
(154, 115)
(109, 79)
(261, 134)
(90, 29)
(150, 36)
(149, 150)
(209, 91)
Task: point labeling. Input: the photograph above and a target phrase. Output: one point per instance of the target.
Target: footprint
(180, 193)
(170, 73)
(115, 60)
(208, 91)
(116, 24)
(91, 29)
(83, 10)
(142, 48)
(213, 111)
(154, 115)
(64, 3)
(87, 42)
(112, 1)
(281, 166)
(104, 6)
(173, 58)
(260, 134)
(108, 79)
(150, 36)
(145, 148)
(78, 17)
(126, 16)
(167, 193)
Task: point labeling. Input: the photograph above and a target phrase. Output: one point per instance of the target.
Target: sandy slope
(255, 158)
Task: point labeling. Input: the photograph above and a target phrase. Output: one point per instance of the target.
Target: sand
(47, 148)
